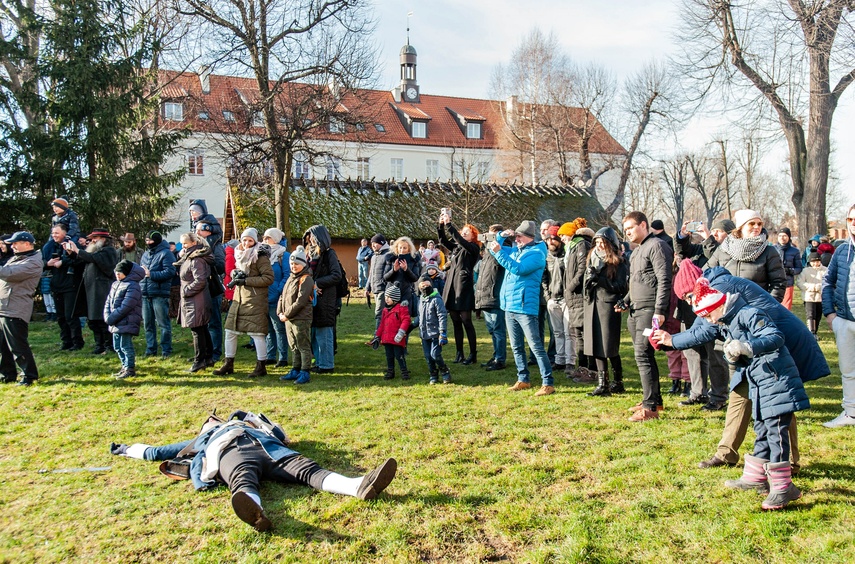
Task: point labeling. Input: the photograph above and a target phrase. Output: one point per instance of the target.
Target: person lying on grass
(242, 451)
(755, 347)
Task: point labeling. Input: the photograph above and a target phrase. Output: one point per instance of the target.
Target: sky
(460, 42)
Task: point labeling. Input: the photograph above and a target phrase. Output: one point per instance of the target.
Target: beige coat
(249, 309)
(810, 283)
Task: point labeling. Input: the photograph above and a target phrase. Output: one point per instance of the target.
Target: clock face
(411, 93)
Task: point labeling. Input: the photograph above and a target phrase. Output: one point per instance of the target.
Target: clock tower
(409, 86)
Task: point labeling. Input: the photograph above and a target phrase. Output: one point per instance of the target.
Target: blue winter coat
(799, 341)
(159, 262)
(523, 272)
(433, 317)
(216, 235)
(123, 308)
(773, 379)
(835, 286)
(792, 259)
(281, 271)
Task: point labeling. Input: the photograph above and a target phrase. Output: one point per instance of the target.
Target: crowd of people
(715, 300)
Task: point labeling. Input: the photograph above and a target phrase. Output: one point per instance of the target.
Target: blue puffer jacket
(799, 341)
(281, 271)
(836, 297)
(123, 308)
(523, 272)
(433, 317)
(792, 259)
(773, 380)
(159, 262)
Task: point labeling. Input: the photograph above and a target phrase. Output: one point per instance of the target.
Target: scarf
(245, 258)
(597, 260)
(745, 250)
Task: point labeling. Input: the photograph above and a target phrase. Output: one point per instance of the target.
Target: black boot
(390, 374)
(616, 386)
(602, 388)
(676, 387)
(100, 347)
(459, 358)
(405, 374)
(471, 359)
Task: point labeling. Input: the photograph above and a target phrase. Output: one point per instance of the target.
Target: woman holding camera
(194, 267)
(459, 293)
(248, 311)
(404, 270)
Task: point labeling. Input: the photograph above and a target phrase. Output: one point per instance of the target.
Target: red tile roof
(230, 93)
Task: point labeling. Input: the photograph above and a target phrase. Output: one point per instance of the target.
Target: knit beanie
(553, 230)
(813, 255)
(742, 217)
(571, 227)
(60, 203)
(155, 237)
(657, 224)
(787, 231)
(393, 292)
(706, 299)
(724, 225)
(684, 280)
(379, 239)
(299, 257)
(250, 232)
(124, 267)
(197, 208)
(274, 234)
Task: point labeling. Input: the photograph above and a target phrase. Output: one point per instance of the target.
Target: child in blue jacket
(123, 314)
(755, 346)
(433, 329)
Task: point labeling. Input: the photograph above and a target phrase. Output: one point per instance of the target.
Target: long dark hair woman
(459, 293)
(606, 281)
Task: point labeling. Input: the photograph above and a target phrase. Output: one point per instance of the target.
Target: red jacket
(391, 320)
(230, 265)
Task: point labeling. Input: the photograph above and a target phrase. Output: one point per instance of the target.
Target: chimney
(205, 78)
(396, 94)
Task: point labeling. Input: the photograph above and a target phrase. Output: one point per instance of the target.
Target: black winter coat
(406, 279)
(553, 275)
(488, 288)
(459, 293)
(576, 259)
(98, 276)
(602, 325)
(767, 270)
(327, 274)
(123, 309)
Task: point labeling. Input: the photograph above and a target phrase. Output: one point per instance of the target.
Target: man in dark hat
(98, 261)
(658, 230)
(19, 278)
(130, 251)
(791, 256)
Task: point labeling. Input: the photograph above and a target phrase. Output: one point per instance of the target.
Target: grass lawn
(485, 474)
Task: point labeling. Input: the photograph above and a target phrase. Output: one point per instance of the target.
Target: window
(473, 130)
(432, 169)
(258, 119)
(336, 125)
(301, 166)
(203, 115)
(333, 168)
(360, 127)
(363, 168)
(228, 116)
(397, 166)
(173, 111)
(419, 130)
(379, 127)
(483, 171)
(196, 162)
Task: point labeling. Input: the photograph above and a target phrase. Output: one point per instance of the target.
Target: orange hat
(570, 228)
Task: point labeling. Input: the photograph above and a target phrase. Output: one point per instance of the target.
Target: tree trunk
(282, 194)
(810, 203)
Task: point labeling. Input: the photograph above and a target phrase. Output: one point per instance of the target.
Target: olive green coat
(249, 310)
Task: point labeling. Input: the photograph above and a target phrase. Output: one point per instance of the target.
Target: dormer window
(203, 115)
(473, 130)
(257, 119)
(336, 125)
(228, 116)
(173, 111)
(419, 129)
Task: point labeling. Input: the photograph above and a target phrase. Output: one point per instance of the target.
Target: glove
(118, 449)
(734, 349)
(443, 340)
(399, 336)
(238, 282)
(235, 273)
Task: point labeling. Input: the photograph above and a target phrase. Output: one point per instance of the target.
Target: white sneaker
(841, 420)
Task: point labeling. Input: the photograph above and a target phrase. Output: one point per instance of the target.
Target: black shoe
(490, 362)
(66, 346)
(695, 401)
(616, 388)
(75, 348)
(26, 382)
(459, 358)
(715, 461)
(496, 366)
(471, 359)
(198, 365)
(325, 370)
(250, 512)
(9, 379)
(389, 375)
(250, 345)
(676, 387)
(270, 362)
(405, 375)
(282, 364)
(99, 350)
(556, 366)
(532, 362)
(377, 480)
(715, 406)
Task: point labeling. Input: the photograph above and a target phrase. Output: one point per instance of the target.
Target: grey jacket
(18, 281)
(650, 273)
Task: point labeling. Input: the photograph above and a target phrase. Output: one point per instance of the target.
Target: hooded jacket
(19, 278)
(799, 341)
(523, 273)
(837, 287)
(194, 268)
(433, 317)
(160, 263)
(123, 308)
(216, 235)
(809, 249)
(327, 274)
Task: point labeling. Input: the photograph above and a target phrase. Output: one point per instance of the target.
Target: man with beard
(130, 251)
(64, 285)
(98, 261)
(19, 278)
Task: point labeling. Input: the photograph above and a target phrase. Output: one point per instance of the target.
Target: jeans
(124, 345)
(495, 320)
(215, 326)
(648, 371)
(393, 353)
(773, 438)
(523, 328)
(433, 355)
(362, 275)
(322, 346)
(277, 339)
(155, 315)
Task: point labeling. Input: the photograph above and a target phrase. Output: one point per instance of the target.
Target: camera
(445, 212)
(693, 226)
(238, 276)
(487, 237)
(620, 304)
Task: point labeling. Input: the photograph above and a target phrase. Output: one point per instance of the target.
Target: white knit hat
(274, 234)
(299, 256)
(742, 217)
(250, 232)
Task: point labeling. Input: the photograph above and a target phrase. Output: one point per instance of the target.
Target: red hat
(684, 280)
(99, 232)
(553, 230)
(706, 299)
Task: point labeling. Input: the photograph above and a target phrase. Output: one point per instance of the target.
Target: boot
(781, 488)
(390, 373)
(471, 359)
(753, 476)
(676, 387)
(616, 386)
(100, 347)
(228, 367)
(405, 374)
(459, 358)
(260, 369)
(602, 388)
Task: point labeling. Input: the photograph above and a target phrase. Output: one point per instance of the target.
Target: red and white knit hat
(706, 299)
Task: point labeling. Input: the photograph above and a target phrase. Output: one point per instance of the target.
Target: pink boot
(753, 476)
(782, 489)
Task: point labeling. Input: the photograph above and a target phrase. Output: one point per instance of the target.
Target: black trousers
(15, 349)
(648, 371)
(244, 464)
(202, 343)
(70, 331)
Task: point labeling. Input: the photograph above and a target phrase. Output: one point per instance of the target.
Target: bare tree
(675, 176)
(787, 53)
(708, 178)
(644, 192)
(307, 58)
